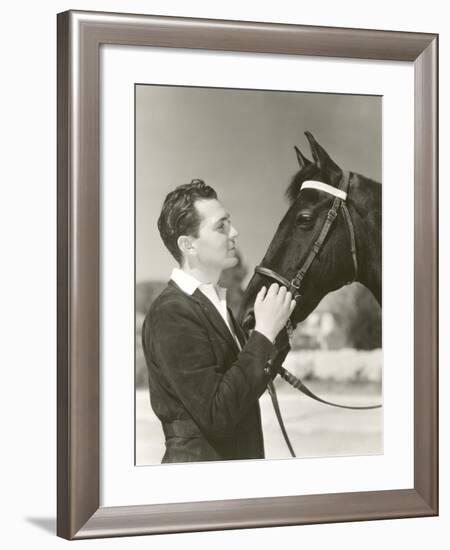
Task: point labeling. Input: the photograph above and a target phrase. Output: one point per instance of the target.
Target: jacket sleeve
(216, 399)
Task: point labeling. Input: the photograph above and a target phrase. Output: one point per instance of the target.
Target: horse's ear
(321, 157)
(302, 160)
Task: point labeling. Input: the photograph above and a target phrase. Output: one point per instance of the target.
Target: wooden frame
(80, 35)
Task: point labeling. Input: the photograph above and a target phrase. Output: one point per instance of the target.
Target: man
(204, 378)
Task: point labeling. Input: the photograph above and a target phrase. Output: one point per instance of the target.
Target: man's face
(215, 245)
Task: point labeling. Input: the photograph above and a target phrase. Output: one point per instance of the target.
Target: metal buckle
(332, 214)
(293, 283)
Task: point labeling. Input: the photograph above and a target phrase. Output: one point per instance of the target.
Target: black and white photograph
(224, 232)
(258, 274)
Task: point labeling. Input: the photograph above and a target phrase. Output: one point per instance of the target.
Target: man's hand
(272, 309)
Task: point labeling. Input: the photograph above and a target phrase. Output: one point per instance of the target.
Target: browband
(312, 184)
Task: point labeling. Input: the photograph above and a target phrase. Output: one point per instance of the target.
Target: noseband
(339, 202)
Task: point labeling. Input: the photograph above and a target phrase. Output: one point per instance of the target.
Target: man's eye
(223, 226)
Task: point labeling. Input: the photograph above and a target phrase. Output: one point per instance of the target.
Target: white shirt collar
(189, 284)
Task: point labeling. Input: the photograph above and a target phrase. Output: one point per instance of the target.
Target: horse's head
(333, 266)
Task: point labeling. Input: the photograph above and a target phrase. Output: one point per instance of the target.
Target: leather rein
(295, 284)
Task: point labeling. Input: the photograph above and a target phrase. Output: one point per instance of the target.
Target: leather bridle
(295, 284)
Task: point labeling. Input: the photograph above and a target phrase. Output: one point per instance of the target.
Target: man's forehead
(211, 210)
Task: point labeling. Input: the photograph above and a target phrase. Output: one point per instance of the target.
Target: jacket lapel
(215, 318)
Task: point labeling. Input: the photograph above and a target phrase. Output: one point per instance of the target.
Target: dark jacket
(202, 388)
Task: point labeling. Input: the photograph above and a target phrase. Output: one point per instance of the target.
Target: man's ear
(186, 245)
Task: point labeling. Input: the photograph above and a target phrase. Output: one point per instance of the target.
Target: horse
(330, 236)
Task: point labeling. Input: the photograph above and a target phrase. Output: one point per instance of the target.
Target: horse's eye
(305, 220)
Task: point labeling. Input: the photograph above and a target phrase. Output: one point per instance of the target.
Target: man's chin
(232, 260)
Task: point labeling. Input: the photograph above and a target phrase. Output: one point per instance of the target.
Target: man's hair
(179, 215)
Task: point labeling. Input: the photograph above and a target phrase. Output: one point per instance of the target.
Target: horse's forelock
(294, 187)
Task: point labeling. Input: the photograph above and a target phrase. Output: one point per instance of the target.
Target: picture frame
(80, 36)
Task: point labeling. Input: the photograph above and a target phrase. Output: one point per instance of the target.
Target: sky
(241, 142)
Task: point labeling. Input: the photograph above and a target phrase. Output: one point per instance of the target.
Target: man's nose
(233, 232)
